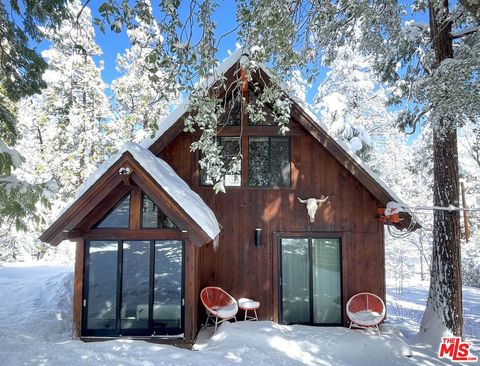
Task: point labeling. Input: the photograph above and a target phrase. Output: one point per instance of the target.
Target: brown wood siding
(248, 271)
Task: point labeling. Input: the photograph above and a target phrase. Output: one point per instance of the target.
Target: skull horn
(323, 199)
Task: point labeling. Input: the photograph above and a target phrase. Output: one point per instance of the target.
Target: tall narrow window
(102, 290)
(153, 217)
(264, 114)
(269, 161)
(119, 216)
(231, 160)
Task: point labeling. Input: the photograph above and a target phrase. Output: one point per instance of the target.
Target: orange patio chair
(220, 305)
(365, 310)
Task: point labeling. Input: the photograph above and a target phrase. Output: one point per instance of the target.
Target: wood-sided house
(151, 233)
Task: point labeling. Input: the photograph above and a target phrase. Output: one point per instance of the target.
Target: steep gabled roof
(172, 125)
(192, 208)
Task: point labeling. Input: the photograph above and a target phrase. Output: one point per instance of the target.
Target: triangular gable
(154, 177)
(172, 125)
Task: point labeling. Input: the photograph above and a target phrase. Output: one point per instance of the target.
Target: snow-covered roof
(171, 119)
(166, 177)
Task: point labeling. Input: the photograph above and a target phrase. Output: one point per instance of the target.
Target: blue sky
(113, 43)
(225, 17)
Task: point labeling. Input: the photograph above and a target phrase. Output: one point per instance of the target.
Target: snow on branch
(464, 32)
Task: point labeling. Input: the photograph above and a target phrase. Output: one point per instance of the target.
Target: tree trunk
(444, 305)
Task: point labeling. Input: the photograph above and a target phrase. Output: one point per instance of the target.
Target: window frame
(151, 331)
(159, 210)
(96, 225)
(244, 131)
(279, 274)
(270, 185)
(200, 170)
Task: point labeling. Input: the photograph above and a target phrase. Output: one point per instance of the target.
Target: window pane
(280, 161)
(153, 217)
(102, 285)
(230, 152)
(295, 281)
(326, 281)
(119, 217)
(167, 297)
(232, 115)
(266, 111)
(258, 161)
(135, 285)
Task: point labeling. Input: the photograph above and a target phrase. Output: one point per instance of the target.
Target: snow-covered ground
(35, 318)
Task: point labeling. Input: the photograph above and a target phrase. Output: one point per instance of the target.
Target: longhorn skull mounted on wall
(312, 205)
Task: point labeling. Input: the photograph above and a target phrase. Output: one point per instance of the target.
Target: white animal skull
(312, 205)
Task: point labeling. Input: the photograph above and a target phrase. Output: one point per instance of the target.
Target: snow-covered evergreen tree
(140, 102)
(352, 102)
(73, 111)
(64, 131)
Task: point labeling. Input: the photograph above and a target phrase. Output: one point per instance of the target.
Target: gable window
(153, 217)
(119, 216)
(265, 111)
(269, 161)
(230, 152)
(232, 115)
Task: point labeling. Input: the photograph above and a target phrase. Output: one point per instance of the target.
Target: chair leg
(256, 316)
(235, 317)
(246, 311)
(216, 324)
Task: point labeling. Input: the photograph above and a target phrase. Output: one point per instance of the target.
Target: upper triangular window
(119, 216)
(153, 217)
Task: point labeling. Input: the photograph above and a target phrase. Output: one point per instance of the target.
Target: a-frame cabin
(151, 233)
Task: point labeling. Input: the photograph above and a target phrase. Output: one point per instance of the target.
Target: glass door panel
(295, 280)
(326, 281)
(310, 281)
(167, 292)
(100, 315)
(135, 287)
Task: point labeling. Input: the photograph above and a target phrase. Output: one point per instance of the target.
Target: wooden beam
(72, 234)
(78, 288)
(127, 234)
(135, 208)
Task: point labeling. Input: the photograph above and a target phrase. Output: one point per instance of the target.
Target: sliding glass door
(135, 285)
(133, 288)
(310, 280)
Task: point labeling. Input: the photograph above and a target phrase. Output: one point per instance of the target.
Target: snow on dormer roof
(174, 186)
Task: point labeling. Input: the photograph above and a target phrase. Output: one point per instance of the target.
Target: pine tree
(21, 69)
(353, 103)
(73, 111)
(140, 102)
(64, 131)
